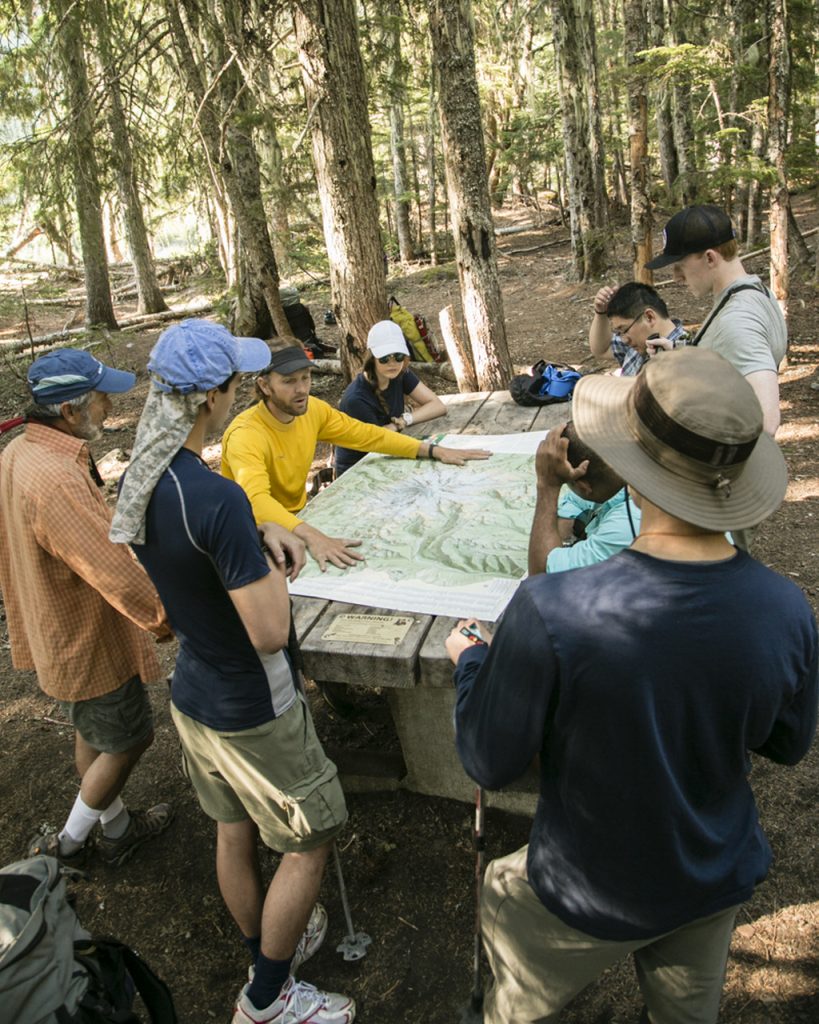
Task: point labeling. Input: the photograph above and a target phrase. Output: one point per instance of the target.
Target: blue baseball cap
(197, 355)
(68, 373)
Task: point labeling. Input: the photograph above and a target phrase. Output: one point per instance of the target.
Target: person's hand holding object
(466, 634)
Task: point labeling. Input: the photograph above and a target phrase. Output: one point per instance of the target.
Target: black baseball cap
(288, 360)
(694, 229)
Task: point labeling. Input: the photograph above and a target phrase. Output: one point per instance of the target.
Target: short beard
(86, 430)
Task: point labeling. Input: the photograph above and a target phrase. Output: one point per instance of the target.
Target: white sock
(80, 822)
(115, 819)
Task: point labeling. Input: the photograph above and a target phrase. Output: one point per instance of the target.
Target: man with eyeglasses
(626, 319)
(269, 449)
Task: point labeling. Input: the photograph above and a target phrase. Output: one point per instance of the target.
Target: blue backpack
(546, 384)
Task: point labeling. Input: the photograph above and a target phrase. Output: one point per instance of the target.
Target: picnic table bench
(416, 675)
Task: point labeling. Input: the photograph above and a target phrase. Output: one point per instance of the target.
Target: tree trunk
(778, 112)
(681, 116)
(149, 294)
(336, 90)
(588, 250)
(665, 127)
(588, 50)
(453, 57)
(635, 40)
(431, 176)
(232, 156)
(397, 90)
(99, 308)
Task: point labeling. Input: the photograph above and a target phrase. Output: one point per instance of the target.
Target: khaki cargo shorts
(277, 774)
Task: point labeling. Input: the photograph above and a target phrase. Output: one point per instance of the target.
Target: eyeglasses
(397, 357)
(622, 332)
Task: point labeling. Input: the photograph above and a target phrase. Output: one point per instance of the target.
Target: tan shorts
(277, 774)
(540, 963)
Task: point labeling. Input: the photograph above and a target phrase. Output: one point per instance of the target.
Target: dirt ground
(407, 858)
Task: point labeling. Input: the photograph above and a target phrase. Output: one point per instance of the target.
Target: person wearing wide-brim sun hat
(642, 683)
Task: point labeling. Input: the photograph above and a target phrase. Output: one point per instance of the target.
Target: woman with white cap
(381, 392)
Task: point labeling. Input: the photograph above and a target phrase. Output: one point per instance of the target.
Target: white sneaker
(310, 942)
(313, 937)
(298, 1003)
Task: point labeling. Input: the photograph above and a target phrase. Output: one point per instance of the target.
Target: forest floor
(407, 858)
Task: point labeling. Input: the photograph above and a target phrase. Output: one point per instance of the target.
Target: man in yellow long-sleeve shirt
(268, 450)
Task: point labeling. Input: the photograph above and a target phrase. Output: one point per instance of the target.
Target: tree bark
(99, 308)
(149, 294)
(681, 116)
(232, 156)
(453, 56)
(397, 90)
(665, 126)
(779, 73)
(336, 90)
(635, 40)
(588, 250)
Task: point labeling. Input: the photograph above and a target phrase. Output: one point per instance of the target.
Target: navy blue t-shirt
(642, 684)
(360, 401)
(201, 541)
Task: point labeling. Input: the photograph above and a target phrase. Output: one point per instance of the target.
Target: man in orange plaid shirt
(77, 605)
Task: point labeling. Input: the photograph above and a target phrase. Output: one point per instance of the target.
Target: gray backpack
(51, 969)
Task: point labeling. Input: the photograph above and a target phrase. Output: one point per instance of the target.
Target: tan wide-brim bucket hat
(687, 433)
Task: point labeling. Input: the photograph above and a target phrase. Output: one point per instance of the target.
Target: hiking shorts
(277, 774)
(116, 721)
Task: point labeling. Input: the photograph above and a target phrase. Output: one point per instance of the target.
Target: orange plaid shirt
(76, 604)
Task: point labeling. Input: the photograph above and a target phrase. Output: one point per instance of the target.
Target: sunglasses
(397, 357)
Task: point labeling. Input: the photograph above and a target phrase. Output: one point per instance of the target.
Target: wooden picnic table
(416, 676)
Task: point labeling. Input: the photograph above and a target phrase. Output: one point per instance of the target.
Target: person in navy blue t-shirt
(248, 740)
(641, 684)
(385, 387)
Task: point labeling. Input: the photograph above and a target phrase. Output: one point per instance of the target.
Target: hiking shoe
(48, 845)
(298, 1003)
(144, 825)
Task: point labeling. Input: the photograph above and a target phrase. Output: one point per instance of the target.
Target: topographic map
(443, 540)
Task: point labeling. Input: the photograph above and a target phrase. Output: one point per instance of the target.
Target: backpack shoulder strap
(725, 298)
(154, 992)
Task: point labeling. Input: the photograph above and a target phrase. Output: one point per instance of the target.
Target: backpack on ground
(52, 971)
(416, 333)
(546, 384)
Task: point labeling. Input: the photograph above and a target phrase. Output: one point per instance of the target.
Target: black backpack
(52, 971)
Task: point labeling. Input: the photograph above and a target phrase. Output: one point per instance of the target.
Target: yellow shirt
(270, 460)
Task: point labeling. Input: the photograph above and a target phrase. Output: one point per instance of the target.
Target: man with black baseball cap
(646, 838)
(745, 324)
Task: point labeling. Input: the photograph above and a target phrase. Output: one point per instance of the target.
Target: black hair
(599, 473)
(631, 299)
(226, 383)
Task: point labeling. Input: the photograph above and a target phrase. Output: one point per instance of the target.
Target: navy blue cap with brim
(69, 373)
(693, 230)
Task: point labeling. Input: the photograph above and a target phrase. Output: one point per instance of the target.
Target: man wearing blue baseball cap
(77, 606)
(248, 740)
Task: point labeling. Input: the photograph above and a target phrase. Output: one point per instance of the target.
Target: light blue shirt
(608, 530)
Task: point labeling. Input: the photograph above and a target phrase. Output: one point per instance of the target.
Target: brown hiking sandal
(144, 825)
(48, 845)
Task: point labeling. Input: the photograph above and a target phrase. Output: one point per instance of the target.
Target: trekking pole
(473, 1011)
(354, 945)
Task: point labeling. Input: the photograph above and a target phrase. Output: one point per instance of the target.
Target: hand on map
(458, 456)
(552, 464)
(335, 550)
(284, 548)
(463, 637)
